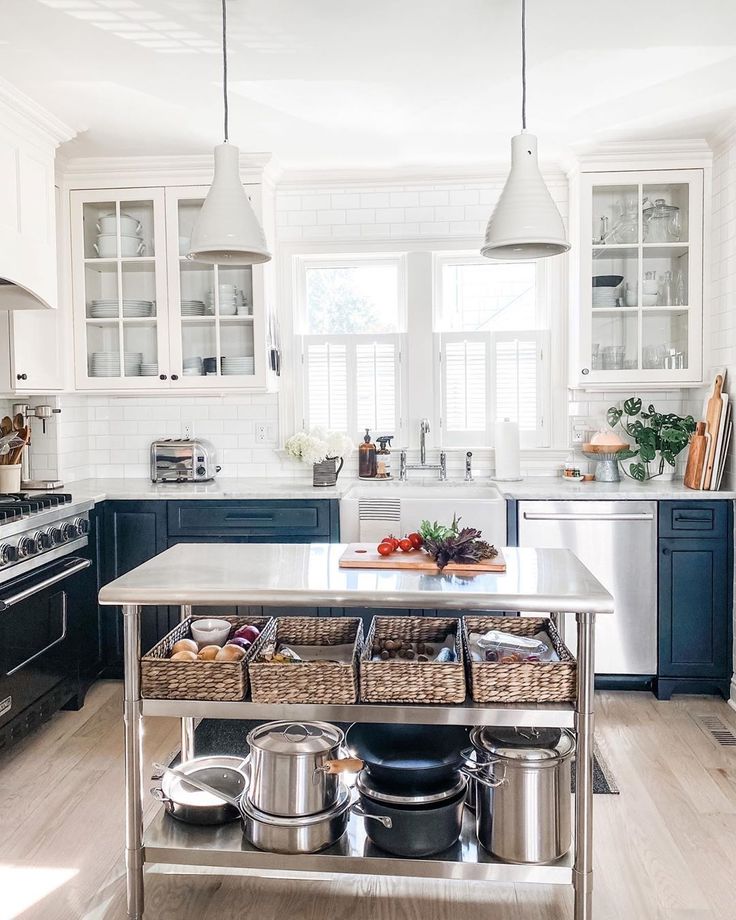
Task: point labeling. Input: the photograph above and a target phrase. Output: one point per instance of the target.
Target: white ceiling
(383, 83)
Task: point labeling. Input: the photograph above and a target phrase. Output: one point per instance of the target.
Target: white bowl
(210, 631)
(129, 226)
(649, 300)
(106, 246)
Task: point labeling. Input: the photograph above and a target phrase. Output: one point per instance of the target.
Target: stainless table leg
(187, 725)
(583, 867)
(133, 761)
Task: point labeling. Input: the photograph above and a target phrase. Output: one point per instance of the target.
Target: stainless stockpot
(523, 799)
(194, 806)
(295, 768)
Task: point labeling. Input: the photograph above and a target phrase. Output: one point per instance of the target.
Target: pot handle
(343, 765)
(491, 782)
(160, 795)
(357, 809)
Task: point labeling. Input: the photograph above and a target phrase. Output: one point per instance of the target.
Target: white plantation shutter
(351, 382)
(518, 383)
(326, 374)
(376, 386)
(465, 383)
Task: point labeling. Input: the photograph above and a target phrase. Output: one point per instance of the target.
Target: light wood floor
(665, 848)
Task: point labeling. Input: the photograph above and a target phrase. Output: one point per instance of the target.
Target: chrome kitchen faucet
(423, 465)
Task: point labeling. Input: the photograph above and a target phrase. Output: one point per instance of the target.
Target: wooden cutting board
(696, 458)
(365, 556)
(712, 423)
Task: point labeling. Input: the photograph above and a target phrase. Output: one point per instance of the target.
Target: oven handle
(69, 567)
(578, 516)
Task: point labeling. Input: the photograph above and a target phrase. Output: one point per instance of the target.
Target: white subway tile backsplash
(434, 198)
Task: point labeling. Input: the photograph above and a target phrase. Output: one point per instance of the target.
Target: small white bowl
(209, 631)
(649, 300)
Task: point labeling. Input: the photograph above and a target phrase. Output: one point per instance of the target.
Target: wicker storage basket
(520, 682)
(400, 681)
(164, 679)
(310, 681)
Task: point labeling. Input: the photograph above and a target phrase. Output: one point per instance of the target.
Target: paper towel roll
(506, 435)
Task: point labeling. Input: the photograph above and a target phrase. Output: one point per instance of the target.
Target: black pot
(416, 828)
(413, 758)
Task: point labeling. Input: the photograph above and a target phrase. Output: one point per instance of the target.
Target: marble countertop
(536, 580)
(92, 491)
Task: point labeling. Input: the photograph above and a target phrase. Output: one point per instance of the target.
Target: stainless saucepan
(186, 802)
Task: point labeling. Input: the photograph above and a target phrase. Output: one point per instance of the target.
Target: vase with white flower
(322, 449)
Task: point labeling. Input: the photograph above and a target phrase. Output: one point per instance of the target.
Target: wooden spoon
(6, 426)
(18, 422)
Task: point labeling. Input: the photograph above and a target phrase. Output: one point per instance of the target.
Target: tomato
(392, 540)
(405, 545)
(385, 548)
(415, 540)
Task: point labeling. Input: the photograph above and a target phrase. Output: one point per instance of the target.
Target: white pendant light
(227, 231)
(525, 223)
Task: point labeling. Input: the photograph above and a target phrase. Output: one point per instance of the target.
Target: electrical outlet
(265, 433)
(261, 433)
(187, 432)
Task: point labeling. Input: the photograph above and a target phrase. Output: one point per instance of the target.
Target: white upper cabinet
(145, 316)
(28, 140)
(637, 278)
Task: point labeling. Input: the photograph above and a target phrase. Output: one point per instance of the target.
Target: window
(351, 320)
(491, 336)
(478, 333)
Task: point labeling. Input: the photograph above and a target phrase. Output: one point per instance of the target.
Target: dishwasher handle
(576, 516)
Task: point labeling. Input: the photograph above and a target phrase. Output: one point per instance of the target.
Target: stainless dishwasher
(617, 541)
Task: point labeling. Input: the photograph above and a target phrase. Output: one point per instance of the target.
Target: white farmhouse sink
(370, 511)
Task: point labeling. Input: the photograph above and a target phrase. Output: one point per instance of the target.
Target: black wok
(419, 757)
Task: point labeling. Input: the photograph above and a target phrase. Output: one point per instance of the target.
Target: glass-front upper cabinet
(640, 251)
(214, 327)
(119, 288)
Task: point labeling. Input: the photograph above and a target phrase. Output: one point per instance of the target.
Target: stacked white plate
(149, 370)
(108, 309)
(192, 308)
(238, 366)
(192, 367)
(107, 364)
(605, 297)
(231, 298)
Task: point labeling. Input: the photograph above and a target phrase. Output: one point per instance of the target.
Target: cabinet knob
(22, 376)
(174, 376)
(586, 371)
(162, 377)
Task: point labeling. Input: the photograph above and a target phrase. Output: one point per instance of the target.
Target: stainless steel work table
(536, 581)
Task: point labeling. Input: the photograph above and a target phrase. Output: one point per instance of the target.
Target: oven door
(39, 632)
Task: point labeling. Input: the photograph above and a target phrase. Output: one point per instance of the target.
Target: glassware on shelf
(596, 360)
(679, 289)
(613, 357)
(666, 293)
(661, 222)
(631, 297)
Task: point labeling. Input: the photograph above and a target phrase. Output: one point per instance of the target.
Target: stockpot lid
(295, 737)
(523, 745)
(368, 787)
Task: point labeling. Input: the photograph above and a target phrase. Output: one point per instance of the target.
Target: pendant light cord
(523, 64)
(224, 63)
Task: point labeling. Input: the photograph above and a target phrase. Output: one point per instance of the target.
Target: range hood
(16, 297)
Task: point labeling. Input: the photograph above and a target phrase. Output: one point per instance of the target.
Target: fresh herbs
(451, 544)
(654, 433)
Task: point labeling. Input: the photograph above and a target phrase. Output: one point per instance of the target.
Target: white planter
(10, 477)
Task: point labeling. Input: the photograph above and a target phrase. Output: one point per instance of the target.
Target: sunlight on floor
(24, 886)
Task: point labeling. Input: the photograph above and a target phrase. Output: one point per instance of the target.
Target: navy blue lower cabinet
(695, 591)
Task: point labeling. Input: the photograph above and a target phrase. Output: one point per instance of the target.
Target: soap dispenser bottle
(367, 457)
(383, 457)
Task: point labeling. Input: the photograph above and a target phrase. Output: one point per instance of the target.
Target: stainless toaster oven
(183, 460)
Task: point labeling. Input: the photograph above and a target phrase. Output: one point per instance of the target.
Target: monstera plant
(658, 437)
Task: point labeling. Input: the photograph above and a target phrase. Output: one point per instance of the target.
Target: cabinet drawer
(250, 518)
(704, 519)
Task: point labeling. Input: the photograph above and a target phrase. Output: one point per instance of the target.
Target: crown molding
(195, 169)
(655, 154)
(496, 174)
(34, 117)
(724, 134)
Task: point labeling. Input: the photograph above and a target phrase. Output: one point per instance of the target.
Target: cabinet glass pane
(666, 276)
(665, 339)
(615, 214)
(216, 310)
(615, 277)
(614, 340)
(665, 213)
(112, 229)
